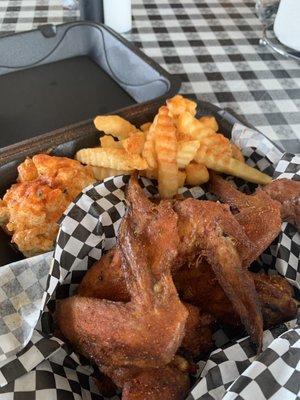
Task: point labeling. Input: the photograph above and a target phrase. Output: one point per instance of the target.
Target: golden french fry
(153, 174)
(217, 144)
(196, 174)
(166, 152)
(135, 143)
(114, 125)
(109, 142)
(179, 104)
(145, 127)
(210, 122)
(181, 178)
(186, 151)
(231, 166)
(111, 158)
(102, 173)
(149, 147)
(4, 213)
(236, 153)
(192, 127)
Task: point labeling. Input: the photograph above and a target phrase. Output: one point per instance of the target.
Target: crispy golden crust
(34, 209)
(197, 284)
(287, 192)
(31, 208)
(258, 214)
(198, 332)
(166, 383)
(147, 331)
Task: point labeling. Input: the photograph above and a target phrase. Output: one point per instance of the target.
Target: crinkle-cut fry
(186, 151)
(134, 144)
(216, 143)
(153, 174)
(114, 125)
(145, 127)
(108, 141)
(196, 174)
(111, 158)
(102, 173)
(231, 166)
(149, 147)
(236, 152)
(166, 151)
(192, 127)
(179, 104)
(181, 178)
(210, 122)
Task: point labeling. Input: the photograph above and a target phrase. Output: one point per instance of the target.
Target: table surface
(213, 45)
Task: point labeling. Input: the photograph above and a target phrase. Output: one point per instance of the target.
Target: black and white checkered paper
(48, 368)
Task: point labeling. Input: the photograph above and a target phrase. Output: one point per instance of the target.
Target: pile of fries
(176, 148)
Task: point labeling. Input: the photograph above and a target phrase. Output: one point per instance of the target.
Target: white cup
(287, 23)
(117, 15)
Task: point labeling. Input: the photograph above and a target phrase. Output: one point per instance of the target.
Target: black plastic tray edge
(85, 130)
(174, 86)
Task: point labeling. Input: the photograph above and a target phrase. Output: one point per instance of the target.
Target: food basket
(37, 363)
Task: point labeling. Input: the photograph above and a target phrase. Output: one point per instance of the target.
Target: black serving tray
(66, 142)
(55, 76)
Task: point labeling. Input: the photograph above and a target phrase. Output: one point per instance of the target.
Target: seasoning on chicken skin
(147, 331)
(203, 232)
(197, 284)
(31, 208)
(167, 383)
(257, 213)
(287, 192)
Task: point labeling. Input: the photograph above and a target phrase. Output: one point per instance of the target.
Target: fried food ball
(32, 207)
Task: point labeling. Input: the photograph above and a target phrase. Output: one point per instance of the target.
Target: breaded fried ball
(32, 207)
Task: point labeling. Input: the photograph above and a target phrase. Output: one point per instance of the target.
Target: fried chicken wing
(31, 208)
(147, 331)
(105, 279)
(156, 384)
(257, 213)
(197, 339)
(287, 192)
(197, 284)
(203, 227)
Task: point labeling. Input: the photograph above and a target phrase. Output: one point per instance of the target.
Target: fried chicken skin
(197, 284)
(31, 208)
(287, 192)
(156, 384)
(209, 229)
(147, 331)
(197, 339)
(105, 279)
(258, 214)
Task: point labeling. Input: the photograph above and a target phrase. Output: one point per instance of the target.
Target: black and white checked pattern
(212, 45)
(89, 227)
(22, 290)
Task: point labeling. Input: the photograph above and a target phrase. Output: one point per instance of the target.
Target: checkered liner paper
(34, 364)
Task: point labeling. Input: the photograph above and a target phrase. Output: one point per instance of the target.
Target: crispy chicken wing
(257, 213)
(147, 331)
(287, 192)
(209, 229)
(156, 384)
(197, 284)
(31, 208)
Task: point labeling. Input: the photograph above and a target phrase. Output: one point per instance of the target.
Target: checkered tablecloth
(212, 45)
